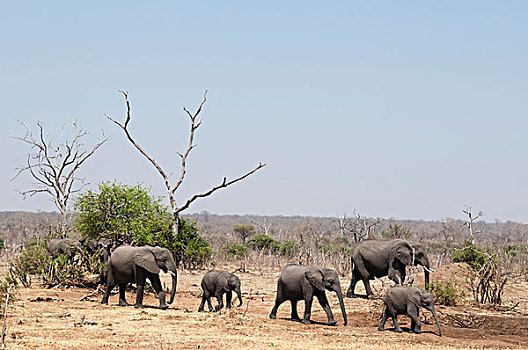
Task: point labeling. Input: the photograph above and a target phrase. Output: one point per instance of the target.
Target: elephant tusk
(172, 273)
(428, 269)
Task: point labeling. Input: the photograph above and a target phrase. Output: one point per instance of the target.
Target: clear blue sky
(406, 109)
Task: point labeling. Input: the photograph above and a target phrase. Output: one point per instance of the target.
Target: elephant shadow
(408, 330)
(311, 321)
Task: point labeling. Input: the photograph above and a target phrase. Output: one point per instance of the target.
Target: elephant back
(122, 258)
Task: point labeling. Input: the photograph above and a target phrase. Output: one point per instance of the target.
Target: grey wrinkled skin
(374, 259)
(298, 282)
(217, 283)
(66, 246)
(129, 264)
(403, 300)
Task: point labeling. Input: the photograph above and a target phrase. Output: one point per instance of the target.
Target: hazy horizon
(411, 110)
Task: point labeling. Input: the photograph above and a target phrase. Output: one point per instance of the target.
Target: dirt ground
(73, 319)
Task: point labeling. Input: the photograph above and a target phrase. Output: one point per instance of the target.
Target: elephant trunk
(174, 283)
(342, 304)
(436, 319)
(239, 294)
(427, 269)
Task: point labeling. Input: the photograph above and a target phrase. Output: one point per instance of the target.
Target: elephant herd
(370, 259)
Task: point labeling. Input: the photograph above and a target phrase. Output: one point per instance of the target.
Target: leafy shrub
(263, 241)
(289, 247)
(237, 250)
(336, 249)
(470, 254)
(445, 294)
(129, 214)
(60, 270)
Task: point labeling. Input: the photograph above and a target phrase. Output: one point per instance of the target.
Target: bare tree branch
(53, 166)
(196, 121)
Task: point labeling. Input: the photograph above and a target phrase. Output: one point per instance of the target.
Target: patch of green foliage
(445, 294)
(472, 255)
(35, 260)
(237, 250)
(263, 242)
(336, 249)
(289, 247)
(129, 214)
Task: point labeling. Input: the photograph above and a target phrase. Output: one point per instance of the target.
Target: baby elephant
(218, 283)
(403, 300)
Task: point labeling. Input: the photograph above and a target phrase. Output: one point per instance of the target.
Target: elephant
(129, 264)
(404, 300)
(374, 259)
(66, 246)
(92, 245)
(298, 282)
(218, 283)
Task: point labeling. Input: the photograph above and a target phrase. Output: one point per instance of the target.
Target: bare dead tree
(196, 121)
(261, 223)
(471, 223)
(54, 165)
(360, 228)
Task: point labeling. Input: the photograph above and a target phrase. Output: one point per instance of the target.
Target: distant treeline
(19, 226)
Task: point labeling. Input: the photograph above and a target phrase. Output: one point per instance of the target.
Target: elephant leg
(364, 275)
(110, 284)
(139, 296)
(220, 298)
(229, 296)
(294, 314)
(106, 295)
(209, 305)
(156, 284)
(366, 282)
(202, 304)
(326, 307)
(140, 281)
(308, 299)
(381, 326)
(414, 314)
(122, 297)
(392, 313)
(278, 301)
(355, 278)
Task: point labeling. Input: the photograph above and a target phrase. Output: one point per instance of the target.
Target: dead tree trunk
(196, 121)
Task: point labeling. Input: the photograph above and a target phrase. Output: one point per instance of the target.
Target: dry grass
(57, 319)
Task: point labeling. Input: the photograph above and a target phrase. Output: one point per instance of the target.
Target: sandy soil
(59, 319)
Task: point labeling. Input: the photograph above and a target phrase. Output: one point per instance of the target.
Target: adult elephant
(62, 246)
(298, 282)
(374, 259)
(130, 264)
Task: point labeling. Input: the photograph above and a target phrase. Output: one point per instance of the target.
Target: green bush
(289, 247)
(237, 250)
(445, 294)
(336, 249)
(263, 241)
(122, 213)
(35, 260)
(470, 254)
(129, 214)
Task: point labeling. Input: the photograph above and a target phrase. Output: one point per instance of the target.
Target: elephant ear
(315, 277)
(143, 257)
(403, 253)
(415, 297)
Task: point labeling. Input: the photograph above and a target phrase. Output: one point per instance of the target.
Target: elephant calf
(403, 300)
(298, 282)
(218, 283)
